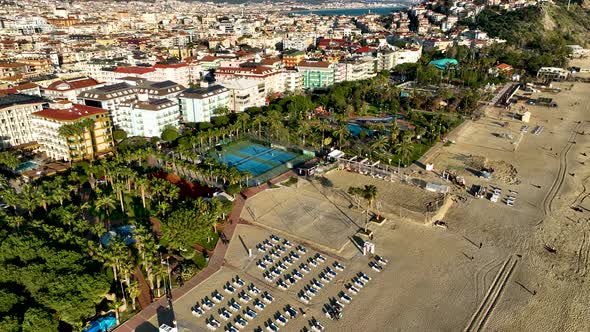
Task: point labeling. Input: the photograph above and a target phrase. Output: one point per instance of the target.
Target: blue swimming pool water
(27, 165)
(125, 232)
(356, 129)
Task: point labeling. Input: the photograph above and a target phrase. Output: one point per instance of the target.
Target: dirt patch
(501, 170)
(187, 189)
(504, 172)
(548, 23)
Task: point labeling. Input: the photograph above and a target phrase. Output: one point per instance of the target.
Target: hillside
(526, 25)
(535, 36)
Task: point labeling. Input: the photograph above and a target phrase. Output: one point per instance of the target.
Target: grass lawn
(200, 260)
(211, 244)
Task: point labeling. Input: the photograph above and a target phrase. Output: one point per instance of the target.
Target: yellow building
(293, 58)
(73, 132)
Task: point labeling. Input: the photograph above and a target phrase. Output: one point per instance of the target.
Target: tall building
(109, 97)
(316, 75)
(199, 105)
(244, 93)
(148, 117)
(72, 132)
(15, 119)
(292, 58)
(70, 89)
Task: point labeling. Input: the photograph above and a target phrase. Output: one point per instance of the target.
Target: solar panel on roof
(114, 87)
(165, 84)
(159, 101)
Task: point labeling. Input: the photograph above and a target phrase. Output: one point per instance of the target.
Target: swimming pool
(27, 165)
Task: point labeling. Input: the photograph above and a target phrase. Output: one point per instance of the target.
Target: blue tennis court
(254, 158)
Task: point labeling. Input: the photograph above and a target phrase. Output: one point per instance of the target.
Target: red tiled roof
(9, 91)
(73, 84)
(504, 66)
(209, 58)
(327, 42)
(364, 49)
(316, 64)
(134, 70)
(172, 65)
(74, 113)
(25, 86)
(268, 61)
(245, 70)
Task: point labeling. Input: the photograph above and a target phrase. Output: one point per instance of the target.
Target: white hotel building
(199, 105)
(15, 119)
(146, 117)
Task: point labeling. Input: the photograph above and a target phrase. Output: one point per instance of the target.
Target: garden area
(73, 244)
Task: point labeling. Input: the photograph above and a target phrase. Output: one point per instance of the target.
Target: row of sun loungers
(247, 314)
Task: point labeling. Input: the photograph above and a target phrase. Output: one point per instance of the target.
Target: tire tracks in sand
(486, 307)
(559, 178)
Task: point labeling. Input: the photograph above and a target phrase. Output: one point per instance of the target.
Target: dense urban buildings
(80, 54)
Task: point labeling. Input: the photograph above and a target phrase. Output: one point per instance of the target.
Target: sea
(349, 11)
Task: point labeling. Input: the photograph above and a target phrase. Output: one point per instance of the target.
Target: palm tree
(15, 221)
(142, 183)
(44, 195)
(369, 194)
(66, 132)
(303, 130)
(60, 193)
(115, 306)
(163, 208)
(10, 197)
(242, 120)
(29, 198)
(105, 203)
(342, 132)
(119, 187)
(258, 120)
(323, 126)
(405, 148)
(158, 188)
(159, 273)
(146, 247)
(379, 144)
(133, 289)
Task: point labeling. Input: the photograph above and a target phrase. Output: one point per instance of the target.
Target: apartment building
(199, 105)
(292, 58)
(70, 89)
(318, 74)
(269, 79)
(25, 88)
(148, 117)
(243, 93)
(15, 119)
(297, 43)
(109, 97)
(293, 80)
(177, 72)
(13, 68)
(155, 90)
(73, 132)
(354, 70)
